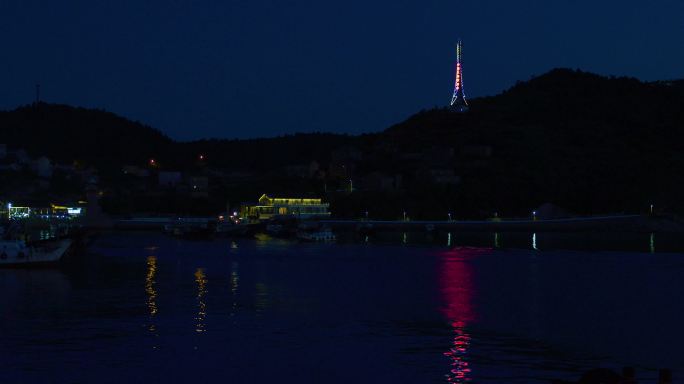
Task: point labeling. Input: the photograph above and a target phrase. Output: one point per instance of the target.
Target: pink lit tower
(458, 100)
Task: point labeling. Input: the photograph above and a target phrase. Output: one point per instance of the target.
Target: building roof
(265, 199)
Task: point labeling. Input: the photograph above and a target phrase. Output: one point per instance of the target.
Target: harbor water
(400, 308)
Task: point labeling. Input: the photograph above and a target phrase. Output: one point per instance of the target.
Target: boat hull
(20, 255)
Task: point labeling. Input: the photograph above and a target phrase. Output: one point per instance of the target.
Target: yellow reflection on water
(201, 280)
(150, 283)
(262, 237)
(497, 243)
(264, 240)
(534, 241)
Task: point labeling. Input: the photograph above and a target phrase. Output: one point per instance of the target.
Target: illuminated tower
(458, 100)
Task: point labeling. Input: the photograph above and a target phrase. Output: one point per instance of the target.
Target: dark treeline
(587, 143)
(107, 141)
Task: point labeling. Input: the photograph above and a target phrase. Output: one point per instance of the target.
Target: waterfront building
(280, 207)
(70, 212)
(54, 211)
(14, 212)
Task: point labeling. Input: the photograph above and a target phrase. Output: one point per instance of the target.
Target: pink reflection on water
(456, 286)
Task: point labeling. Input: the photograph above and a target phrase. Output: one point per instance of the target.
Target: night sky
(256, 68)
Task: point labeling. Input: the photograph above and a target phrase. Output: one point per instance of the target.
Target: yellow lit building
(270, 207)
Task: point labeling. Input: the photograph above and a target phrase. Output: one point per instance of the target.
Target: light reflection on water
(234, 284)
(150, 282)
(45, 234)
(480, 311)
(261, 301)
(651, 243)
(457, 292)
(201, 280)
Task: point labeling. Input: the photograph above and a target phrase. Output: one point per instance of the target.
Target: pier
(605, 223)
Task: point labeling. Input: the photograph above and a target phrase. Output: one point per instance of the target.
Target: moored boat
(18, 253)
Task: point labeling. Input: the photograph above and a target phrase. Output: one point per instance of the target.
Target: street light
(449, 216)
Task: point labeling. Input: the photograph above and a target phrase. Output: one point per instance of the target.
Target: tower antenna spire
(458, 99)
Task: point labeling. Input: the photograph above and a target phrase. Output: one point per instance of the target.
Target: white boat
(17, 253)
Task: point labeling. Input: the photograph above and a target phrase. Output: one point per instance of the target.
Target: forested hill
(586, 142)
(106, 141)
(93, 137)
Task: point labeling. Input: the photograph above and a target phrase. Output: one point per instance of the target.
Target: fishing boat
(15, 253)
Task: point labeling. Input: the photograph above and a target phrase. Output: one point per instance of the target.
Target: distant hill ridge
(570, 95)
(66, 133)
(583, 141)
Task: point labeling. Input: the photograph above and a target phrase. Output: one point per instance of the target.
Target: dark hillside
(91, 137)
(588, 143)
